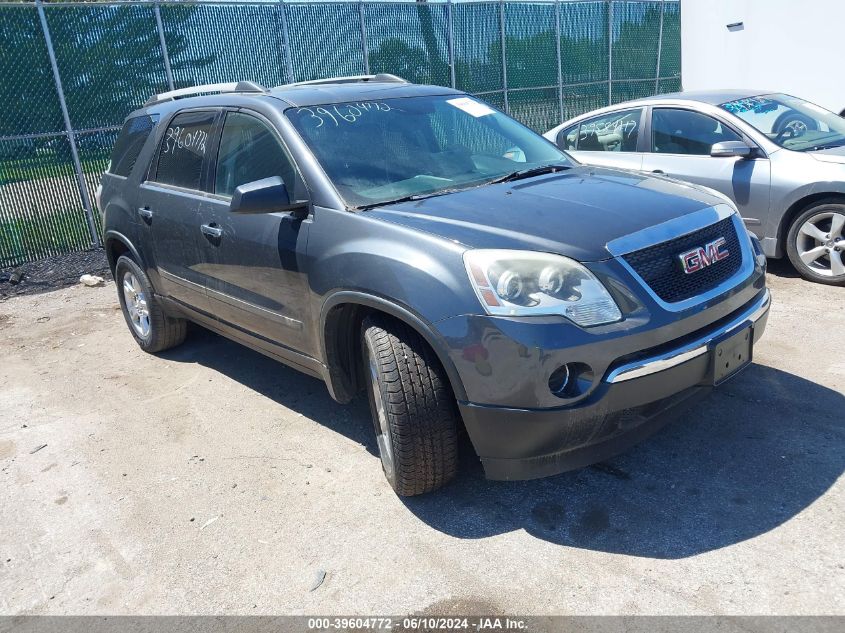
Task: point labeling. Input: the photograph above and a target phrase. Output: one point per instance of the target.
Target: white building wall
(792, 46)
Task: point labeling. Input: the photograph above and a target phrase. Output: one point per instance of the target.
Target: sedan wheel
(816, 244)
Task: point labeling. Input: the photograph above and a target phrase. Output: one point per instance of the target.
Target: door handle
(211, 230)
(659, 171)
(146, 214)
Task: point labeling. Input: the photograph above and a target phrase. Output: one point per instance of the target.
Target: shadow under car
(755, 453)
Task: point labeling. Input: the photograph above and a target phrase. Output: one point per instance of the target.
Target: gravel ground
(213, 480)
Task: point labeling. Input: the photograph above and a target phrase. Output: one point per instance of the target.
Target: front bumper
(635, 397)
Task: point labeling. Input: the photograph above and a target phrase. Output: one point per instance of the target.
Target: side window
(130, 141)
(614, 132)
(183, 148)
(686, 132)
(249, 151)
(568, 139)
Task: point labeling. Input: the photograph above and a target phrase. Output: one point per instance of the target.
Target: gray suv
(417, 244)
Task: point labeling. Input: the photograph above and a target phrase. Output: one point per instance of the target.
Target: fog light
(559, 380)
(571, 380)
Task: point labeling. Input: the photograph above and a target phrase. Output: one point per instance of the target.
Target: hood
(832, 155)
(573, 213)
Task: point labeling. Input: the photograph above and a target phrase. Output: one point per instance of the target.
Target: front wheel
(414, 412)
(816, 244)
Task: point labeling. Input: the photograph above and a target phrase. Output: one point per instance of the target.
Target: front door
(254, 265)
(168, 207)
(680, 148)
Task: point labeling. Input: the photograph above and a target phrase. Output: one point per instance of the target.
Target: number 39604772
(348, 113)
(177, 138)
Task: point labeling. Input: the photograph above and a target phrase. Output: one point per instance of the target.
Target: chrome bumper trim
(689, 351)
(669, 230)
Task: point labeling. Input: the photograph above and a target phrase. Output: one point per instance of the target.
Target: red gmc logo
(703, 256)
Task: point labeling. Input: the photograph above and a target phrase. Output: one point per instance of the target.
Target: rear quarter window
(130, 141)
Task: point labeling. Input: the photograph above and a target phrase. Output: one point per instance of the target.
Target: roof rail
(239, 86)
(353, 79)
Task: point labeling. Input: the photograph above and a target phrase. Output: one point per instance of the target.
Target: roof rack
(354, 79)
(239, 86)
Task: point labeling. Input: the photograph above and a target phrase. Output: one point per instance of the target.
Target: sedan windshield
(790, 122)
(381, 151)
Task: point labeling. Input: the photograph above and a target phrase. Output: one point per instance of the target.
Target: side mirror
(267, 195)
(731, 149)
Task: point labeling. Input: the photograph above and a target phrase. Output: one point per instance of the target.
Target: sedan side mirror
(267, 195)
(731, 149)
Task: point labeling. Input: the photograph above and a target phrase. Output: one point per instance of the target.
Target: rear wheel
(153, 330)
(816, 243)
(414, 412)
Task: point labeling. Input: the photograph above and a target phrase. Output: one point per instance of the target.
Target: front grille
(660, 267)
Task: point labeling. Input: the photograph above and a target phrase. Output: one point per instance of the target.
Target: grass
(27, 234)
(33, 237)
(46, 165)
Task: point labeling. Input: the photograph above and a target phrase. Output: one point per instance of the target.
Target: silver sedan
(780, 159)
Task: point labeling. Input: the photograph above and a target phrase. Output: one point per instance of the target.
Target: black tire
(164, 331)
(796, 242)
(419, 450)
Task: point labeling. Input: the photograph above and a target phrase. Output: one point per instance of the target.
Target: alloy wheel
(385, 447)
(136, 305)
(797, 127)
(820, 243)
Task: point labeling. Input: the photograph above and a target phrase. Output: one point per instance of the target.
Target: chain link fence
(73, 70)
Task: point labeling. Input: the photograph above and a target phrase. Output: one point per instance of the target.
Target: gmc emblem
(703, 256)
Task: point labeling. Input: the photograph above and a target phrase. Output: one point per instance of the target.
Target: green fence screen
(71, 72)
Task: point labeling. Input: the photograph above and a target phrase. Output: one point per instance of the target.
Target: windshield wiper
(415, 196)
(516, 175)
(825, 146)
(529, 173)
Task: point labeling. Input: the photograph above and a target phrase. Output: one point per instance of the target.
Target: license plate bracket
(731, 354)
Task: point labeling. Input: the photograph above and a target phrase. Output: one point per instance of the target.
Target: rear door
(169, 201)
(255, 268)
(680, 141)
(608, 140)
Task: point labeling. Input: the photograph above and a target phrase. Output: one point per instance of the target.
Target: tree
(396, 56)
(109, 58)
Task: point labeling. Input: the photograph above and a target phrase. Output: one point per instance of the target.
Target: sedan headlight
(527, 283)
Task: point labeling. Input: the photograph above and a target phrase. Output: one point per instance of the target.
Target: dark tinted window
(249, 151)
(183, 149)
(614, 132)
(131, 139)
(686, 132)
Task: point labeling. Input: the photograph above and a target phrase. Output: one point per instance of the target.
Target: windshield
(379, 151)
(790, 122)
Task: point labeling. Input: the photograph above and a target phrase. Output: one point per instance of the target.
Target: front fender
(425, 329)
(353, 252)
(414, 276)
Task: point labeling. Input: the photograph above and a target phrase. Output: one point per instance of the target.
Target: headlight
(525, 283)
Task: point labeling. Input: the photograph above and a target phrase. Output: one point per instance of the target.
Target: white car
(780, 159)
